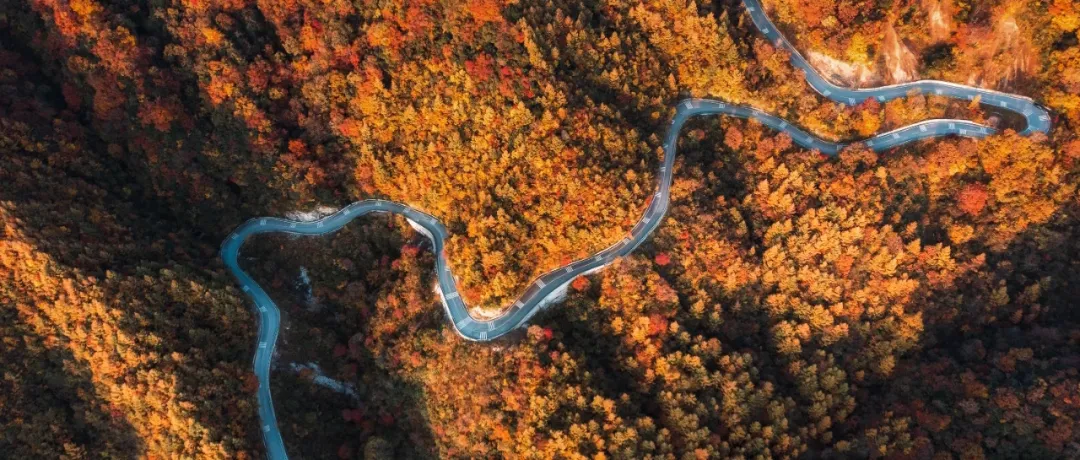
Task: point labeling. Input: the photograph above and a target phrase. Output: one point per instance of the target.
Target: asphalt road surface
(549, 287)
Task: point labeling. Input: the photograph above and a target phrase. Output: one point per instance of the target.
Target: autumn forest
(920, 303)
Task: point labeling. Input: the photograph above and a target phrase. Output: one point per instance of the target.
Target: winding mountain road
(549, 287)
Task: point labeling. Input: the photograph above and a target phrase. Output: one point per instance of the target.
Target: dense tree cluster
(114, 338)
(918, 303)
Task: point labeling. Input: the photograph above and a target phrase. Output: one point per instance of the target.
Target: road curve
(549, 287)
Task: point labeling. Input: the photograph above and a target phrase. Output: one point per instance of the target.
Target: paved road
(547, 288)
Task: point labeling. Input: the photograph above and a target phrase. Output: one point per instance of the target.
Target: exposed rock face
(1007, 54)
(939, 14)
(900, 63)
(1011, 41)
(842, 72)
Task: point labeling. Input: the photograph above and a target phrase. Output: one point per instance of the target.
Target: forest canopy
(919, 303)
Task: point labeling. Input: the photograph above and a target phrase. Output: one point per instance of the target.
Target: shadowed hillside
(920, 303)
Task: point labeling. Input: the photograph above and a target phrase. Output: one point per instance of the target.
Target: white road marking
(452, 296)
(762, 21)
